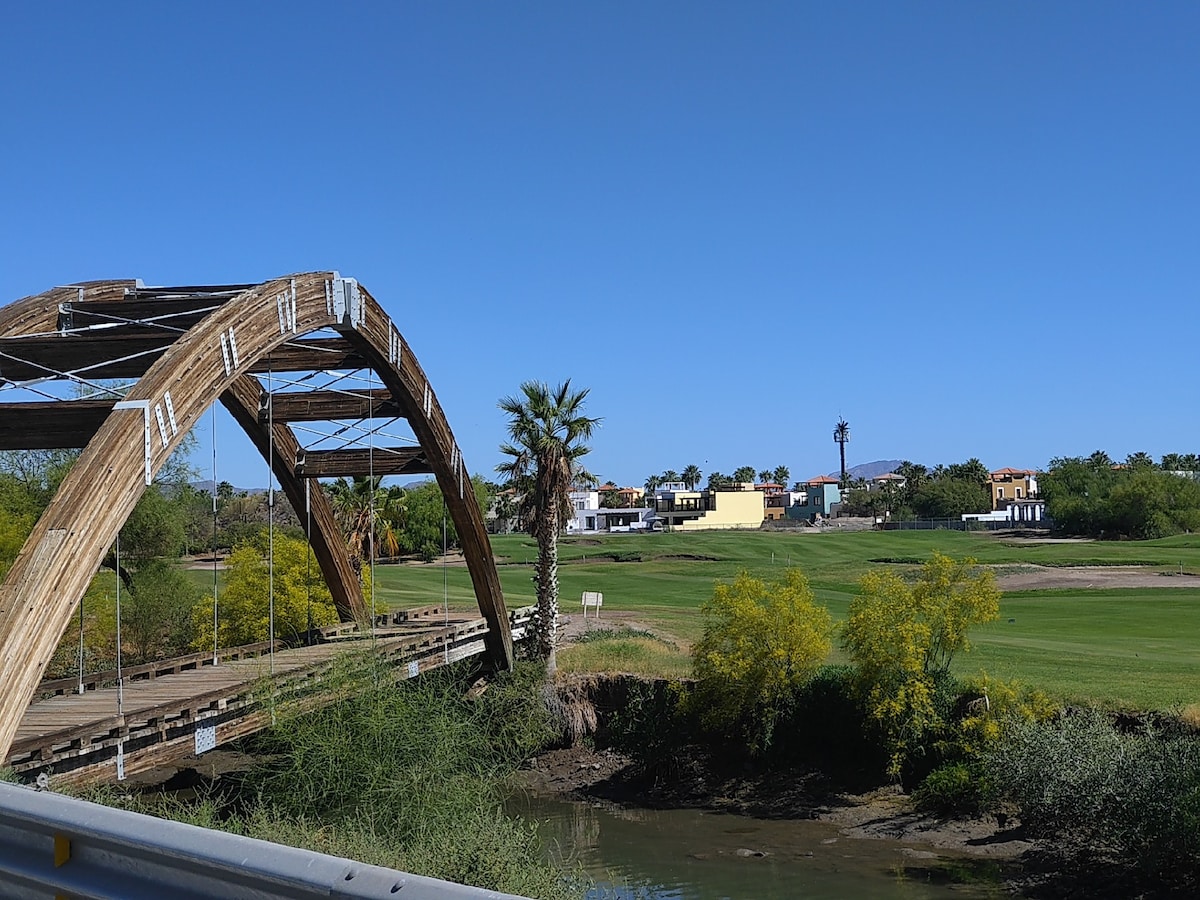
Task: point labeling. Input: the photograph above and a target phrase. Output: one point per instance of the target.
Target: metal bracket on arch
(144, 406)
(343, 301)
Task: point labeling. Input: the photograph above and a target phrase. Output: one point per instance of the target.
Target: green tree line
(1135, 499)
(943, 492)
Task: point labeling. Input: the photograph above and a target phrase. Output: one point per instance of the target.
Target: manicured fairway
(1137, 646)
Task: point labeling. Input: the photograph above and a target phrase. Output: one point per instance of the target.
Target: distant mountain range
(869, 470)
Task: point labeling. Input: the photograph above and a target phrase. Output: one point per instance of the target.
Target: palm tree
(1139, 460)
(781, 474)
(691, 477)
(506, 511)
(841, 436)
(717, 480)
(743, 474)
(547, 439)
(765, 475)
(369, 515)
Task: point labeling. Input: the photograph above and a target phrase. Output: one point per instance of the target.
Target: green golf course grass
(1135, 647)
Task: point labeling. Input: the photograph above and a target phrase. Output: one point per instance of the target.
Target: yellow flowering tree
(902, 638)
(762, 641)
(244, 613)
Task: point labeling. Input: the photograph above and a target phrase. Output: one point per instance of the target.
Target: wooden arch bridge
(331, 354)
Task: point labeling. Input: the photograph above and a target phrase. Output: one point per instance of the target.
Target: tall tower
(841, 436)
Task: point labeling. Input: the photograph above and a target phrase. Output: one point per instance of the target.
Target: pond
(687, 854)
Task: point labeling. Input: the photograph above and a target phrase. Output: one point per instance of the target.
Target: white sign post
(594, 599)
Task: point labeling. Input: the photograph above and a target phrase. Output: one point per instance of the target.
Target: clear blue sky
(970, 229)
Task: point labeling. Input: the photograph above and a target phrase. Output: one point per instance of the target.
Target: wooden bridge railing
(145, 671)
(74, 684)
(79, 739)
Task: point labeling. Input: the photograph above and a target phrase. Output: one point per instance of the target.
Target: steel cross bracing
(179, 351)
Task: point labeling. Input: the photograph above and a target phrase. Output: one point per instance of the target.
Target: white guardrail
(54, 846)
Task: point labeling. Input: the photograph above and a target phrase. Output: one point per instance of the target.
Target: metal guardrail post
(57, 846)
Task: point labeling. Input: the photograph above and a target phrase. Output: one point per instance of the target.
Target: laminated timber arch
(188, 348)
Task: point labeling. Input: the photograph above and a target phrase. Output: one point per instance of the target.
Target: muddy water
(695, 855)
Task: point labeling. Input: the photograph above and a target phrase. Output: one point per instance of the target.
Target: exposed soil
(204, 563)
(572, 626)
(1039, 578)
(887, 813)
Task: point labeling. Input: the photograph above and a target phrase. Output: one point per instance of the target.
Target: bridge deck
(79, 738)
(144, 699)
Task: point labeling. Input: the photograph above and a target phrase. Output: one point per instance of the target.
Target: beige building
(683, 510)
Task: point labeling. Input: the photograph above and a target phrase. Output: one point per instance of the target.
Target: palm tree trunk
(547, 591)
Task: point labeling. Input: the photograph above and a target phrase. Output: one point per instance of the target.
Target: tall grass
(625, 651)
(414, 774)
(409, 775)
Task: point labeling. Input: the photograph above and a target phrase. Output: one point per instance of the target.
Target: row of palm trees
(690, 476)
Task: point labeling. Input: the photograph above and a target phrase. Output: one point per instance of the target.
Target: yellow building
(684, 510)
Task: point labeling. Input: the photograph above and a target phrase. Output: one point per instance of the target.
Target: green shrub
(827, 729)
(649, 720)
(953, 789)
(301, 597)
(1132, 797)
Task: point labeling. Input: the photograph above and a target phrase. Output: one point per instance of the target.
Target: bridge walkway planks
(143, 699)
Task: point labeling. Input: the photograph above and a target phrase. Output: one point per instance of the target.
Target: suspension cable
(120, 679)
(271, 515)
(214, 529)
(81, 645)
(371, 495)
(445, 586)
(308, 558)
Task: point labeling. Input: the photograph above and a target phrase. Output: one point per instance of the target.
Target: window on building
(1000, 493)
(1018, 493)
